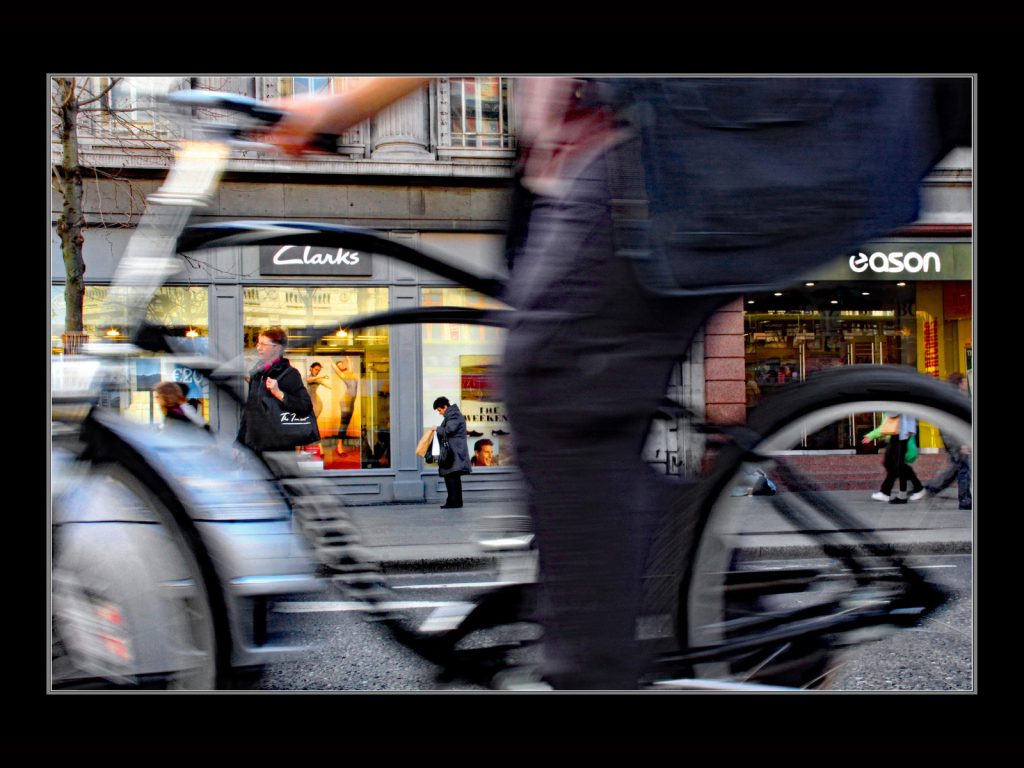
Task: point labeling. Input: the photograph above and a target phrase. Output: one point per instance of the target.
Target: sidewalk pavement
(424, 537)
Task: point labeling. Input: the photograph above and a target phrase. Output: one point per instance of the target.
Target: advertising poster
(147, 374)
(487, 422)
(334, 383)
(198, 389)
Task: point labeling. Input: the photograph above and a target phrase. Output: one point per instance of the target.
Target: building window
(305, 86)
(186, 309)
(478, 112)
(347, 374)
(130, 107)
(461, 362)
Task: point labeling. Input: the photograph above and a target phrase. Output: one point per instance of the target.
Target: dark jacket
(255, 432)
(453, 430)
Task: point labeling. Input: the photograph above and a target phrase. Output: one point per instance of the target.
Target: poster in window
(147, 374)
(487, 424)
(195, 383)
(333, 383)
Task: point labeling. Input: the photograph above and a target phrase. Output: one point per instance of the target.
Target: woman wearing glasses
(272, 377)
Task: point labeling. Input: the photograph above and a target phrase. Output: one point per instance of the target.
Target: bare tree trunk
(71, 223)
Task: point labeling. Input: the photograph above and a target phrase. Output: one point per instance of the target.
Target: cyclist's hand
(332, 115)
(295, 133)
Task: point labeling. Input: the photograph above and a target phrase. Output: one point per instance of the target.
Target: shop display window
(183, 308)
(461, 362)
(792, 335)
(347, 373)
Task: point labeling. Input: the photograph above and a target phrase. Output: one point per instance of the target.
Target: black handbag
(286, 429)
(447, 457)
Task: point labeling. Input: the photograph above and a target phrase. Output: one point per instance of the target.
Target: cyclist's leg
(581, 393)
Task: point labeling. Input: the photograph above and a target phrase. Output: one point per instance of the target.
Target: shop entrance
(791, 336)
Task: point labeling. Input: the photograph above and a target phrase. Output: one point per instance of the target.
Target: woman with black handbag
(453, 461)
(278, 412)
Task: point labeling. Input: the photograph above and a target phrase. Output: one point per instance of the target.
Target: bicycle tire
(721, 566)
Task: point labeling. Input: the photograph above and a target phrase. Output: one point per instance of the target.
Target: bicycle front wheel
(798, 556)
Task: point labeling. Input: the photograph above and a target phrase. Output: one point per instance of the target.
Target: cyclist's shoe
(897, 500)
(520, 679)
(879, 496)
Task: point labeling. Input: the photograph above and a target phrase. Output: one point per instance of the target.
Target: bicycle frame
(508, 604)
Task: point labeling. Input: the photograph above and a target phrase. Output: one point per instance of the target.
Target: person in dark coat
(272, 376)
(452, 435)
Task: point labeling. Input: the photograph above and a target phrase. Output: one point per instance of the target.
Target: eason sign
(314, 260)
(901, 260)
(896, 262)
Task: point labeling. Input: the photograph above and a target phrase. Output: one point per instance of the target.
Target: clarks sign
(314, 260)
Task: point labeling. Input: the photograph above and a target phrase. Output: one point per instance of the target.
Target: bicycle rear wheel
(779, 583)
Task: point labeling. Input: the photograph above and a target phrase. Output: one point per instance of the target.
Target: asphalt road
(350, 654)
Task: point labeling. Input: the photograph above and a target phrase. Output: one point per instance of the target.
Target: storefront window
(792, 335)
(185, 309)
(461, 362)
(348, 374)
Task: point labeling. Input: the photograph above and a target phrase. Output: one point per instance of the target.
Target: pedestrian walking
(900, 453)
(959, 467)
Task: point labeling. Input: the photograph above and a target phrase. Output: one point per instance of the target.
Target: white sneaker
(919, 495)
(879, 496)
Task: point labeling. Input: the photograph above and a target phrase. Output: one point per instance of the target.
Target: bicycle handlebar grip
(247, 106)
(230, 101)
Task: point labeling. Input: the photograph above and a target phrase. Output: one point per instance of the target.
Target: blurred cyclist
(641, 204)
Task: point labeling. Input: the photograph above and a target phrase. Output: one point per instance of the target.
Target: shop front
(889, 303)
(372, 388)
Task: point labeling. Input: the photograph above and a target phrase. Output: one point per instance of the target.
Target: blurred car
(169, 548)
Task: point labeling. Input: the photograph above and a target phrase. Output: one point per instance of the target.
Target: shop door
(862, 351)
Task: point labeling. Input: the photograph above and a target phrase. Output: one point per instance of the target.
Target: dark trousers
(959, 469)
(587, 364)
(896, 468)
(453, 484)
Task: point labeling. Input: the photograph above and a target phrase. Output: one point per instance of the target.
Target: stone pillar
(407, 366)
(402, 131)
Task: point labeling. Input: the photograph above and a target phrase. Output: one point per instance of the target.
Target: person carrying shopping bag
(900, 452)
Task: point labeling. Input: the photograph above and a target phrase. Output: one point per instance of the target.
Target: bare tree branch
(110, 86)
